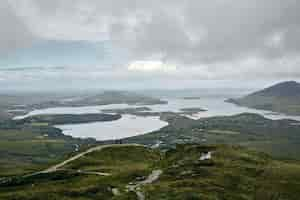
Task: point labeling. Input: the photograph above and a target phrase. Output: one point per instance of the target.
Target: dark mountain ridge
(283, 97)
(283, 89)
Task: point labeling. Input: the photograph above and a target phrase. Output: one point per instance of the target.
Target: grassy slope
(23, 148)
(279, 138)
(233, 173)
(282, 97)
(286, 105)
(124, 163)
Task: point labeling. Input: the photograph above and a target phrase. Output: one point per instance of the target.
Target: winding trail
(137, 186)
(97, 148)
(58, 166)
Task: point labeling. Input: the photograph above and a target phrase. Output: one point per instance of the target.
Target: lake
(130, 125)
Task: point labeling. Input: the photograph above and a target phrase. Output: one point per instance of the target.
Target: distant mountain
(284, 89)
(103, 98)
(283, 97)
(116, 97)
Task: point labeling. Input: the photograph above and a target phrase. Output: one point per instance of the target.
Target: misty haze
(149, 100)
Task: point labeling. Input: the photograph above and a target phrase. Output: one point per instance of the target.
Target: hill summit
(283, 89)
(283, 97)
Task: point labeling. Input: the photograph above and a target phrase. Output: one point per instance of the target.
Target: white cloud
(151, 66)
(275, 40)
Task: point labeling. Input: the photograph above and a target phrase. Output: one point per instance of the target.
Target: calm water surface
(130, 125)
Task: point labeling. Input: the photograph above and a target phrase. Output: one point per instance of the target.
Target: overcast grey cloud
(207, 40)
(13, 32)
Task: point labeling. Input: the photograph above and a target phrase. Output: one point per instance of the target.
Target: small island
(191, 98)
(57, 119)
(126, 110)
(192, 110)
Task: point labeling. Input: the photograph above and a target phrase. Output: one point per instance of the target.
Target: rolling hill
(283, 97)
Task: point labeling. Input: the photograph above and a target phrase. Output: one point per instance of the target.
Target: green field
(232, 173)
(24, 148)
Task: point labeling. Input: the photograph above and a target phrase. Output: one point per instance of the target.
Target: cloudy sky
(148, 44)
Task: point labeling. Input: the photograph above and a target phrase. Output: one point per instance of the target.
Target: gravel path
(137, 186)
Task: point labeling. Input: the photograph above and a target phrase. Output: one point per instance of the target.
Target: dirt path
(58, 166)
(137, 186)
(97, 148)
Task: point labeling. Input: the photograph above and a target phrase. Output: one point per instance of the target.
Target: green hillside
(231, 172)
(283, 97)
(25, 148)
(279, 138)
